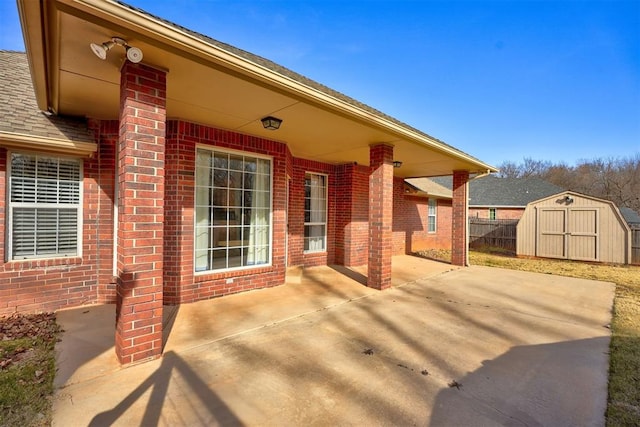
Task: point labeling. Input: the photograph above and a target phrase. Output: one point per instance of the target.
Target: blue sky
(500, 80)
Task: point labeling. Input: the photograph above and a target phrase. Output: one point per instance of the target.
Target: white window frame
(11, 206)
(432, 212)
(268, 263)
(326, 215)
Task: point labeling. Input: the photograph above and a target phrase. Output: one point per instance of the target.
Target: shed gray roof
(493, 191)
(18, 108)
(629, 215)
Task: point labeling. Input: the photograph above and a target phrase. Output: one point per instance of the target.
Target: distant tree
(509, 169)
(614, 179)
(534, 168)
(528, 168)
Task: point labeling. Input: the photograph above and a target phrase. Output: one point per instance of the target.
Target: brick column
(141, 149)
(380, 216)
(459, 218)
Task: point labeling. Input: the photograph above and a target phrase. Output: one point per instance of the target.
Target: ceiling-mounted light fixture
(271, 123)
(397, 163)
(134, 54)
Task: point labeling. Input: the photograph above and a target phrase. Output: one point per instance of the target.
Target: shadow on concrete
(158, 383)
(169, 315)
(361, 359)
(351, 274)
(86, 349)
(531, 385)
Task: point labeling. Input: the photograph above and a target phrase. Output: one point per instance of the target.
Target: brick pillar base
(459, 214)
(380, 216)
(141, 148)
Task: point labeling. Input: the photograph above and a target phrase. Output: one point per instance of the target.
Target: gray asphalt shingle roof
(18, 108)
(493, 191)
(629, 215)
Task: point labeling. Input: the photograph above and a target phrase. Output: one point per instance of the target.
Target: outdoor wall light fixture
(271, 123)
(134, 54)
(397, 163)
(568, 199)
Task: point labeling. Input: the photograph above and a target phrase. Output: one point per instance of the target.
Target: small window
(431, 215)
(315, 213)
(492, 213)
(44, 207)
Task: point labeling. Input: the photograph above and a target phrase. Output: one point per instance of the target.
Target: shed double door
(567, 233)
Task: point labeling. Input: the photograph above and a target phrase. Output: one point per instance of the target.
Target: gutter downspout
(466, 212)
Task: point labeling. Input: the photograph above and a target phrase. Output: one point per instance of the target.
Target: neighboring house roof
(491, 191)
(19, 111)
(427, 187)
(631, 216)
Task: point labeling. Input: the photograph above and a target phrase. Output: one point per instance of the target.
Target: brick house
(165, 181)
(491, 197)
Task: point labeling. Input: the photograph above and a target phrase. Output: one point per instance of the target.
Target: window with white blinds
(44, 206)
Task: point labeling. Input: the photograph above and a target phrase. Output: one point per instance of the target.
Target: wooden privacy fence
(496, 233)
(635, 244)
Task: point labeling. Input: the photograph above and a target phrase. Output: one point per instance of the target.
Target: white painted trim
(214, 148)
(326, 212)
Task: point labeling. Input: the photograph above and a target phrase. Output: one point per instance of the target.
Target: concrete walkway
(445, 346)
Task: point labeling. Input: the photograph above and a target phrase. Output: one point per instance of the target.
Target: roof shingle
(494, 191)
(18, 108)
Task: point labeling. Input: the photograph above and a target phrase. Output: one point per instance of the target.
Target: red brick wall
(459, 244)
(181, 284)
(106, 134)
(52, 284)
(352, 215)
(380, 216)
(141, 176)
(410, 230)
(501, 213)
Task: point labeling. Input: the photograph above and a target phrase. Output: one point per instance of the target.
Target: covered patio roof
(214, 84)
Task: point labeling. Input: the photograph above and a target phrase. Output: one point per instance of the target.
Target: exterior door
(552, 230)
(583, 234)
(567, 233)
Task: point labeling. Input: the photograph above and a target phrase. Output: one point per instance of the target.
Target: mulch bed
(40, 327)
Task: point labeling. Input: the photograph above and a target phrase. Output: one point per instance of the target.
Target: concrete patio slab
(478, 346)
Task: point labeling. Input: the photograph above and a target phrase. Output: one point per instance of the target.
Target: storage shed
(574, 226)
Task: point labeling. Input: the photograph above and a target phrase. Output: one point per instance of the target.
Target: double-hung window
(315, 212)
(431, 215)
(233, 210)
(492, 213)
(45, 212)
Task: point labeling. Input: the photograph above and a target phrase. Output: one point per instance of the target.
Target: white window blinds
(44, 206)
